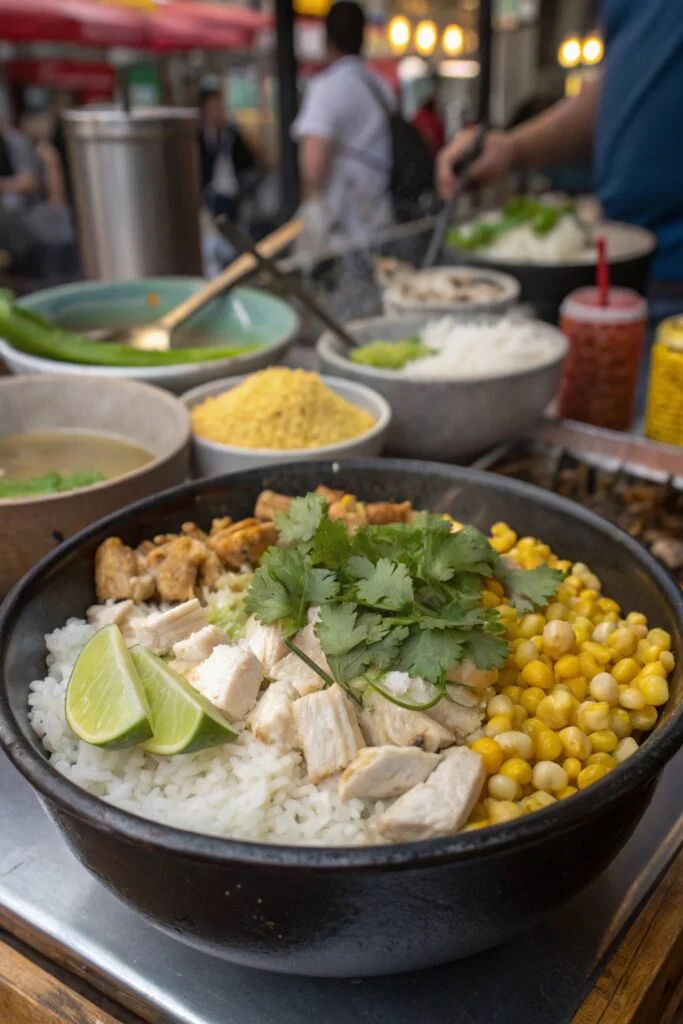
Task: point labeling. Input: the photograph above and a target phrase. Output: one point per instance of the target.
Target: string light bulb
(453, 40)
(426, 36)
(569, 54)
(398, 32)
(592, 50)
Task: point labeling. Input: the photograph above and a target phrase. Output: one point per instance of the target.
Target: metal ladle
(157, 336)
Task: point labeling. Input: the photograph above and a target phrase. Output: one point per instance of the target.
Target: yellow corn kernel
(622, 642)
(499, 705)
(549, 776)
(525, 652)
(572, 766)
(513, 692)
(603, 758)
(531, 698)
(604, 629)
(558, 638)
(562, 564)
(503, 810)
(606, 604)
(517, 769)
(647, 652)
(644, 720)
(632, 698)
(567, 791)
(530, 625)
(516, 743)
(478, 813)
(536, 802)
(490, 752)
(589, 594)
(548, 746)
(627, 747)
(655, 690)
(652, 668)
(555, 710)
(573, 583)
(600, 652)
(620, 722)
(537, 641)
(589, 666)
(556, 610)
(584, 607)
(575, 742)
(489, 600)
(503, 543)
(667, 661)
(603, 741)
(593, 715)
(537, 673)
(499, 528)
(520, 715)
(625, 671)
(472, 826)
(661, 638)
(498, 724)
(604, 687)
(501, 787)
(591, 774)
(636, 619)
(567, 666)
(578, 687)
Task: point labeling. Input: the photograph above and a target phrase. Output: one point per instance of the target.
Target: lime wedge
(182, 719)
(105, 703)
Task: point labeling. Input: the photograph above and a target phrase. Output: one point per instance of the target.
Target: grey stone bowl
(447, 420)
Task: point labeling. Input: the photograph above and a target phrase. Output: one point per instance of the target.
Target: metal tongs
(293, 289)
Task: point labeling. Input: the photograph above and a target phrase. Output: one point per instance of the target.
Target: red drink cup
(605, 347)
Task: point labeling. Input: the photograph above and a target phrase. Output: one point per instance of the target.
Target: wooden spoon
(156, 336)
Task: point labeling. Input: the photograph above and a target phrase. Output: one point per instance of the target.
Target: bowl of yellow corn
(279, 415)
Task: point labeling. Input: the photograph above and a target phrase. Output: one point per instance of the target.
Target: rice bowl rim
(382, 413)
(328, 344)
(640, 768)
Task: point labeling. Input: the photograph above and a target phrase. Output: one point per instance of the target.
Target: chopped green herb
(391, 355)
(49, 483)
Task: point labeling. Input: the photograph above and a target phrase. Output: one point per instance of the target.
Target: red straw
(602, 273)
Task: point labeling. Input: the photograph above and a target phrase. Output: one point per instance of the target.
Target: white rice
(246, 789)
(486, 348)
(564, 243)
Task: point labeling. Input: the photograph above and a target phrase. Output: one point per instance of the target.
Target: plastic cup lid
(625, 306)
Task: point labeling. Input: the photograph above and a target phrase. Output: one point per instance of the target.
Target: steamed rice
(246, 789)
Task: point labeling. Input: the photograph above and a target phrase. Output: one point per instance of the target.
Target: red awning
(90, 23)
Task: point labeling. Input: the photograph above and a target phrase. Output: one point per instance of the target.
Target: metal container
(345, 911)
(136, 191)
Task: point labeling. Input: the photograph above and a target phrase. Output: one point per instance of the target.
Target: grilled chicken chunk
(295, 671)
(196, 648)
(119, 574)
(242, 543)
(230, 678)
(268, 504)
(385, 723)
(266, 643)
(379, 773)
(458, 719)
(328, 731)
(175, 566)
(379, 513)
(161, 630)
(439, 806)
(101, 615)
(272, 720)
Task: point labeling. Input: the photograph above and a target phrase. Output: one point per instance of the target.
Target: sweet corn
(520, 715)
(537, 801)
(625, 671)
(601, 632)
(572, 766)
(603, 758)
(502, 810)
(592, 715)
(603, 741)
(606, 604)
(600, 652)
(667, 661)
(549, 776)
(516, 743)
(525, 653)
(556, 610)
(531, 625)
(567, 666)
(660, 638)
(648, 652)
(589, 775)
(652, 668)
(575, 742)
(537, 673)
(500, 705)
(604, 687)
(632, 698)
(589, 666)
(578, 687)
(513, 692)
(620, 722)
(531, 698)
(518, 770)
(548, 745)
(555, 710)
(498, 724)
(655, 690)
(644, 720)
(622, 642)
(502, 787)
(636, 619)
(489, 600)
(490, 752)
(558, 638)
(471, 826)
(503, 541)
(625, 748)
(567, 791)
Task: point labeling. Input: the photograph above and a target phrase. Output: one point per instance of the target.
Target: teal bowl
(241, 315)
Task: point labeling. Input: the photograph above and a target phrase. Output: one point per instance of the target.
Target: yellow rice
(282, 409)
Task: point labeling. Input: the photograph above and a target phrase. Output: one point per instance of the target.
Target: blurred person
(19, 170)
(229, 168)
(344, 137)
(428, 120)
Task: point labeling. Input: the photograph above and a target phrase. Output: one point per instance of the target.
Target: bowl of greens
(49, 331)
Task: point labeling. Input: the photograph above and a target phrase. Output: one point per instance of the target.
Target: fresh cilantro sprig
(406, 596)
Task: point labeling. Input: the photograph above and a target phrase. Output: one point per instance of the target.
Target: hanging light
(593, 50)
(453, 40)
(426, 36)
(398, 32)
(569, 53)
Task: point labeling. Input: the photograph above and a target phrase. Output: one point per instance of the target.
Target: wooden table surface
(642, 983)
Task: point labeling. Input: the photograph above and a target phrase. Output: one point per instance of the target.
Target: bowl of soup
(74, 449)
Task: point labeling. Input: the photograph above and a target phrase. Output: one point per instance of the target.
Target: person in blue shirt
(630, 118)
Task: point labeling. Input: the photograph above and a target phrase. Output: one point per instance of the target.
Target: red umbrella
(222, 15)
(168, 30)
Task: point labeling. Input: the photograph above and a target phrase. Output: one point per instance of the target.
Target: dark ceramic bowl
(345, 911)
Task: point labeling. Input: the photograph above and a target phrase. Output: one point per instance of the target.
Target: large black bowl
(344, 911)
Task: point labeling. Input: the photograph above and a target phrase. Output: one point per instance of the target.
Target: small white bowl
(400, 298)
(212, 459)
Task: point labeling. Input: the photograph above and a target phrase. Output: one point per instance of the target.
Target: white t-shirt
(340, 106)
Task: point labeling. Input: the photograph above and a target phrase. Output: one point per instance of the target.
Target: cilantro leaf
(284, 587)
(387, 585)
(448, 554)
(384, 652)
(429, 653)
(267, 598)
(484, 650)
(340, 628)
(302, 519)
(529, 588)
(331, 544)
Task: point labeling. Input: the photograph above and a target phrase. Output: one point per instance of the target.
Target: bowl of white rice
(486, 379)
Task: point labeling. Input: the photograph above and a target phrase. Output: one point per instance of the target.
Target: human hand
(495, 160)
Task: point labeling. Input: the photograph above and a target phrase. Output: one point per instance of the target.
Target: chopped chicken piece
(468, 674)
(197, 647)
(221, 524)
(386, 723)
(192, 530)
(268, 504)
(381, 512)
(243, 542)
(161, 630)
(297, 672)
(328, 730)
(469, 698)
(230, 678)
(378, 773)
(328, 493)
(117, 573)
(211, 570)
(266, 643)
(101, 615)
(272, 720)
(439, 806)
(175, 565)
(349, 510)
(460, 720)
